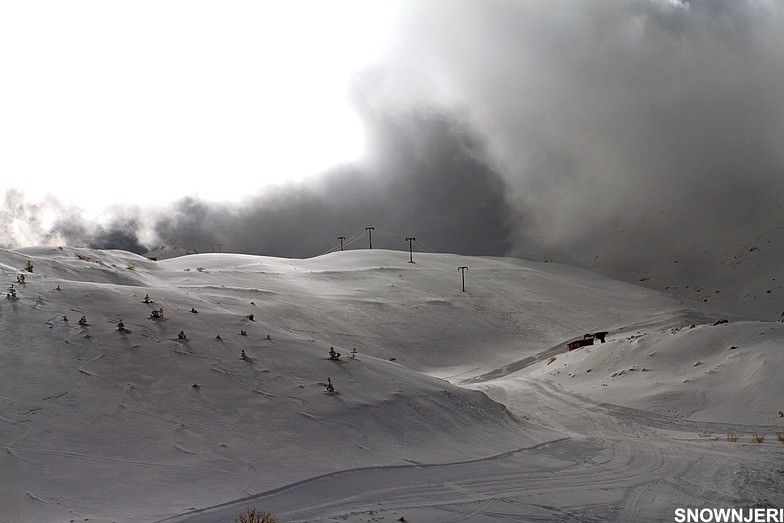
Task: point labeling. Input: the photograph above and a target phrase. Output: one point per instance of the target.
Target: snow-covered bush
(252, 516)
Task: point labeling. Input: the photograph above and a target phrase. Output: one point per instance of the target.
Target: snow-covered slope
(742, 277)
(729, 372)
(165, 252)
(141, 424)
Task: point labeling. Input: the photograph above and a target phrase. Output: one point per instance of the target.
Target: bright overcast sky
(145, 102)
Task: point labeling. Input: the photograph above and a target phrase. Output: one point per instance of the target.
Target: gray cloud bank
(618, 124)
(425, 177)
(640, 137)
(426, 180)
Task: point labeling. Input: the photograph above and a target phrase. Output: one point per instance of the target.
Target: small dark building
(580, 343)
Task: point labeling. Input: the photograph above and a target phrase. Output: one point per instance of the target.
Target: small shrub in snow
(757, 438)
(243, 356)
(243, 333)
(147, 299)
(11, 292)
(29, 266)
(250, 317)
(705, 434)
(83, 320)
(732, 437)
(21, 279)
(552, 359)
(65, 318)
(335, 356)
(157, 315)
(329, 386)
(194, 311)
(252, 516)
(218, 337)
(121, 326)
(353, 353)
(131, 267)
(780, 437)
(182, 336)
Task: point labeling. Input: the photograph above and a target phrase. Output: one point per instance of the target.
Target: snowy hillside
(454, 404)
(742, 277)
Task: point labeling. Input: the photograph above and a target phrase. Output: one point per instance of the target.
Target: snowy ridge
(143, 423)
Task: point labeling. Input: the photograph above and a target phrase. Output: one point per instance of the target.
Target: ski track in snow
(89, 457)
(619, 466)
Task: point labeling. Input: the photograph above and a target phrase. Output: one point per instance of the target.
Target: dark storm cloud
(122, 233)
(119, 235)
(425, 179)
(625, 129)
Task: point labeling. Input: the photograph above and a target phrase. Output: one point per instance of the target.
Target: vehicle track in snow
(610, 466)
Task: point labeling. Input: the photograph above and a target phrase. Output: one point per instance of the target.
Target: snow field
(453, 408)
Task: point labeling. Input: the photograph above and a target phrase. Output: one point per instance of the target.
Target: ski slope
(452, 407)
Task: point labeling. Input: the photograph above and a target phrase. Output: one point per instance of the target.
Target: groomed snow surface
(456, 406)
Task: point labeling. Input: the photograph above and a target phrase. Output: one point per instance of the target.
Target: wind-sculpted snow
(608, 467)
(203, 379)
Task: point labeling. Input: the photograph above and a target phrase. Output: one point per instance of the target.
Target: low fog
(642, 138)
